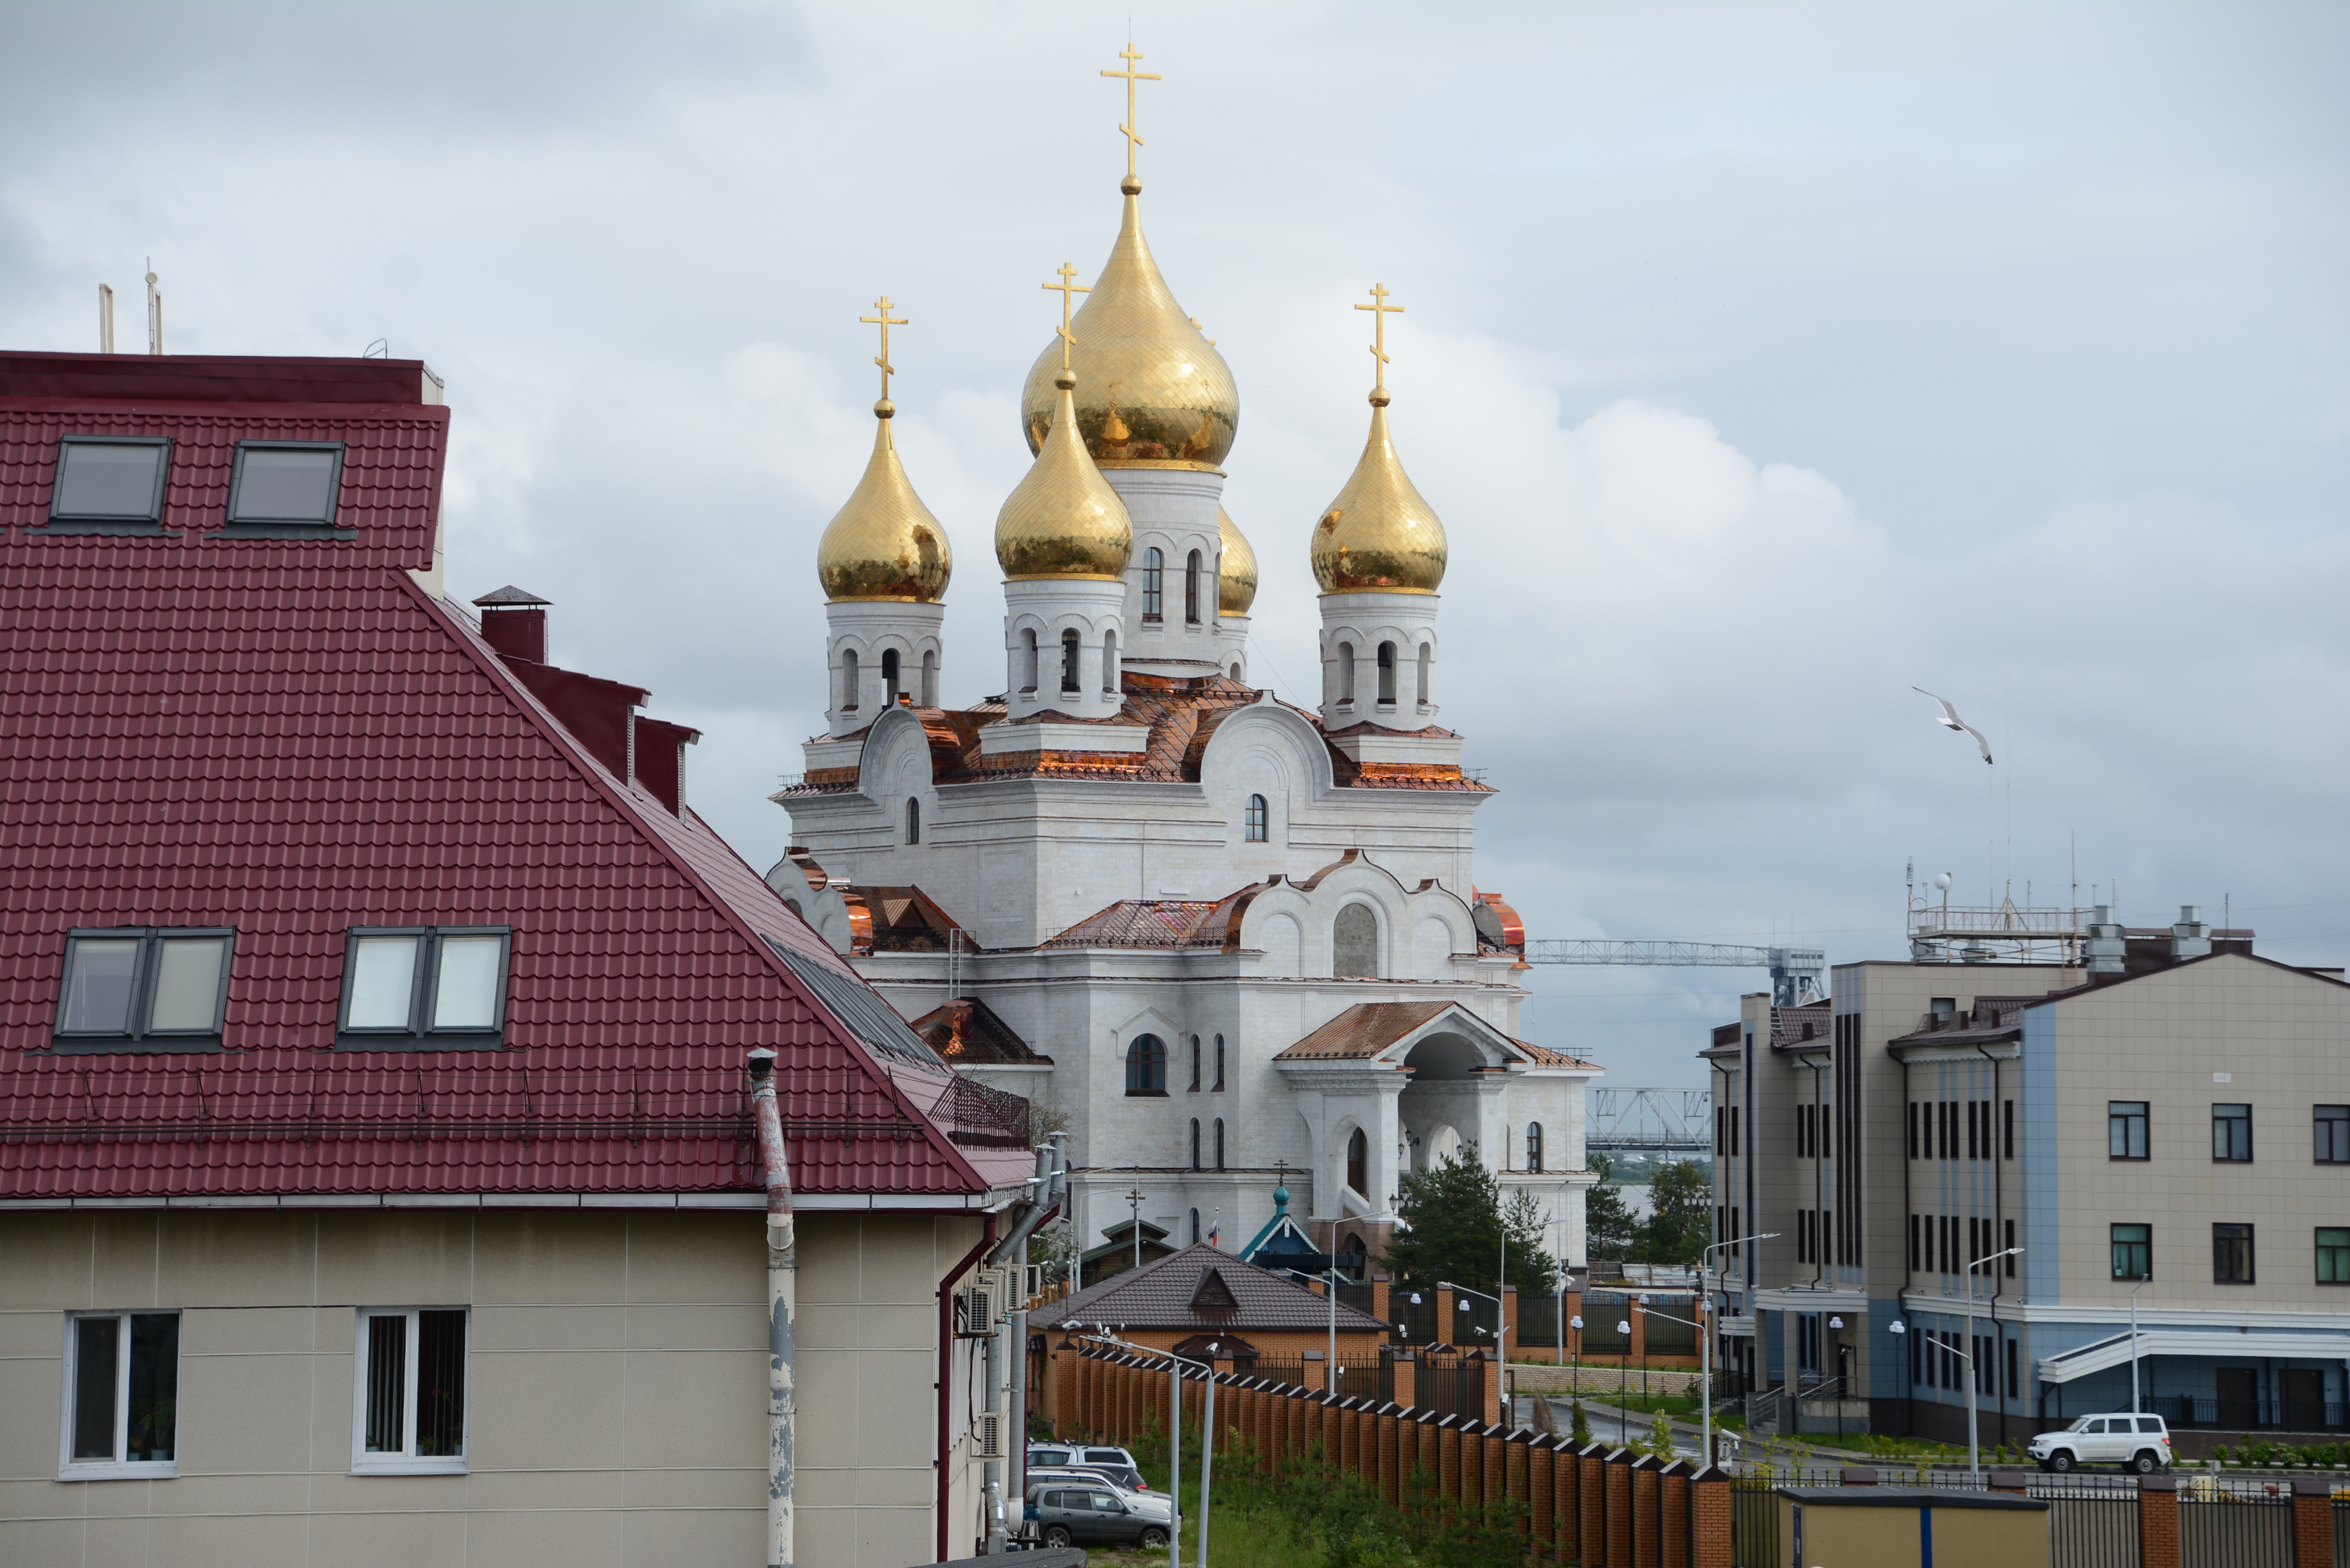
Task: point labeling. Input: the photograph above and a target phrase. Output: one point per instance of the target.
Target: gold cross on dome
(1380, 310)
(1131, 54)
(885, 321)
(1068, 288)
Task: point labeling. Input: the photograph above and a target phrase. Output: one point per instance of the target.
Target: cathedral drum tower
(1231, 943)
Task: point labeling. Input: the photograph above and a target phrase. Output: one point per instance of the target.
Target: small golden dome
(1236, 570)
(1158, 394)
(1378, 535)
(884, 543)
(1063, 520)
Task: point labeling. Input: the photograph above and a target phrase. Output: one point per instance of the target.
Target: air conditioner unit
(988, 1429)
(980, 1306)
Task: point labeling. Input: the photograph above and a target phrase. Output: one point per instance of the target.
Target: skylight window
(144, 988)
(429, 988)
(113, 484)
(278, 483)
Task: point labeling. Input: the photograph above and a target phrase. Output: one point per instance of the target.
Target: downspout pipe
(783, 1303)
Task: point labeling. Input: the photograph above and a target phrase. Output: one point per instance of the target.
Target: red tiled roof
(291, 738)
(1158, 923)
(1363, 1031)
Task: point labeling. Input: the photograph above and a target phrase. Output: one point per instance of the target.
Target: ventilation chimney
(2106, 947)
(515, 623)
(2190, 937)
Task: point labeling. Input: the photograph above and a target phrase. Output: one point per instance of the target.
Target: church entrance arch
(1443, 1107)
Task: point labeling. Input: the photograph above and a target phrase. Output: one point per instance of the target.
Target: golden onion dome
(1378, 535)
(1063, 519)
(1235, 568)
(1158, 395)
(884, 543)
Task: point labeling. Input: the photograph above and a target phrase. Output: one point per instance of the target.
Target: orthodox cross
(1133, 1194)
(1131, 54)
(1068, 288)
(885, 321)
(1380, 310)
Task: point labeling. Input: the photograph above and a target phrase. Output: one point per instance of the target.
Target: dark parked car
(1123, 1475)
(1067, 1513)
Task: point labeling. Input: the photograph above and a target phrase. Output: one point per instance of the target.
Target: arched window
(1195, 1165)
(1427, 658)
(849, 680)
(1346, 672)
(1191, 589)
(888, 678)
(1195, 1079)
(1354, 943)
(1386, 672)
(1253, 828)
(1220, 1064)
(1110, 664)
(929, 697)
(1068, 661)
(1534, 1146)
(1219, 1142)
(1146, 1065)
(913, 820)
(1195, 1213)
(1028, 659)
(1154, 584)
(1358, 1162)
(1236, 670)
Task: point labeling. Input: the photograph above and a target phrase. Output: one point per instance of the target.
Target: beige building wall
(2277, 1037)
(617, 1408)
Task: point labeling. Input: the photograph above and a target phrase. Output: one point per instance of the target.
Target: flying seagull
(1950, 720)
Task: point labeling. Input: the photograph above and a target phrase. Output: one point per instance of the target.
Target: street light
(2133, 1291)
(1623, 1376)
(1974, 1453)
(1705, 1397)
(1500, 1338)
(1707, 1364)
(1174, 1441)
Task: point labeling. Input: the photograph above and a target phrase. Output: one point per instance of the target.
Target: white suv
(2140, 1442)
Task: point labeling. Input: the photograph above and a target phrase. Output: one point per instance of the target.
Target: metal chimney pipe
(783, 1302)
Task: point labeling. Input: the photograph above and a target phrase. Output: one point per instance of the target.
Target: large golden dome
(1063, 519)
(884, 543)
(1235, 568)
(1378, 535)
(1157, 393)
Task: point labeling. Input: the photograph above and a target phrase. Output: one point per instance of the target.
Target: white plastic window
(122, 1396)
(408, 1401)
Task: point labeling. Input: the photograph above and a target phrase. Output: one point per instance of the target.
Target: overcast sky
(1762, 361)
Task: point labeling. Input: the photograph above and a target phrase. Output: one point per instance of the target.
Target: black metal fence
(1667, 1335)
(1602, 1311)
(1450, 1386)
(1755, 1523)
(2094, 1525)
(1370, 1378)
(2340, 1530)
(2226, 1523)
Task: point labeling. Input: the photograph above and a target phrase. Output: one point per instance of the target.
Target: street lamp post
(1708, 1337)
(1974, 1380)
(1623, 1377)
(1706, 1375)
(1175, 1365)
(1501, 1337)
(2133, 1291)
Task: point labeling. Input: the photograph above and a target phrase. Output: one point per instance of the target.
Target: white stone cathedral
(1231, 941)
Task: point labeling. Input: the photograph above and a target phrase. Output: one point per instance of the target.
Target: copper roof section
(1176, 1292)
(966, 1032)
(1364, 1031)
(1182, 714)
(900, 921)
(1174, 923)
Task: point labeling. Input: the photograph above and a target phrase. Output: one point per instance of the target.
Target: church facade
(1228, 941)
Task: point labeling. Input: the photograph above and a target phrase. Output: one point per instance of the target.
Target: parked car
(1115, 1463)
(1116, 1480)
(1064, 1510)
(2140, 1442)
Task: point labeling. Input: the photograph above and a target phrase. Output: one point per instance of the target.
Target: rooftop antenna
(105, 318)
(379, 349)
(154, 310)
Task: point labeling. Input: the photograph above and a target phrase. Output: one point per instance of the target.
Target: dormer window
(282, 485)
(144, 989)
(424, 987)
(110, 484)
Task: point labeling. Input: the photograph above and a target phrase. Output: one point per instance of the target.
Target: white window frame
(117, 1469)
(405, 1463)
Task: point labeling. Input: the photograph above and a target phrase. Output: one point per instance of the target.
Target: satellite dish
(1942, 881)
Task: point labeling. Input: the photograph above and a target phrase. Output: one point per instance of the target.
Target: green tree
(1451, 1228)
(1609, 1230)
(1681, 1217)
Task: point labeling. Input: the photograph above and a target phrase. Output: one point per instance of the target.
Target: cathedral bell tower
(1379, 554)
(884, 564)
(1063, 539)
(1156, 409)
